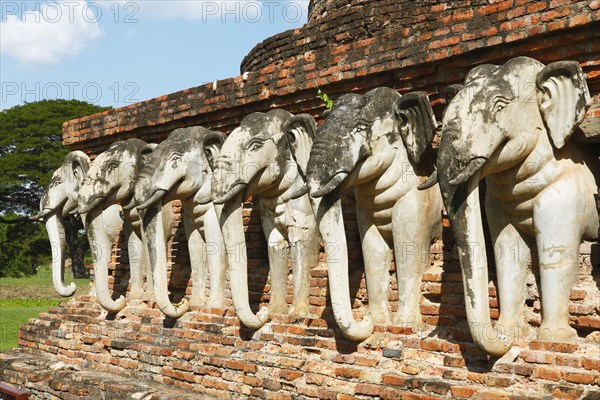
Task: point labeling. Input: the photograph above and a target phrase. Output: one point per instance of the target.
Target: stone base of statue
(78, 351)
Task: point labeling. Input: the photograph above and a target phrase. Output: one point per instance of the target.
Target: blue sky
(118, 52)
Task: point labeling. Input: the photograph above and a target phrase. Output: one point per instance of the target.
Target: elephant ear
(146, 152)
(451, 91)
(80, 164)
(563, 98)
(212, 144)
(416, 122)
(300, 131)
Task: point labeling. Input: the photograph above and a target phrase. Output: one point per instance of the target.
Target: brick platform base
(208, 353)
(46, 378)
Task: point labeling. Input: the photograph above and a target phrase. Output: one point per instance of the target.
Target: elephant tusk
(333, 183)
(42, 214)
(473, 166)
(298, 193)
(130, 206)
(93, 204)
(430, 181)
(234, 191)
(158, 195)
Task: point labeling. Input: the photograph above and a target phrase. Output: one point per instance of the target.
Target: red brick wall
(428, 29)
(420, 56)
(358, 65)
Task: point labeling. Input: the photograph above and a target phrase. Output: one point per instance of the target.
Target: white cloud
(226, 10)
(43, 37)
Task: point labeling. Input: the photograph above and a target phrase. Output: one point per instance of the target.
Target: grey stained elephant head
(112, 175)
(360, 125)
(179, 168)
(492, 122)
(266, 153)
(60, 200)
(490, 127)
(362, 134)
(108, 187)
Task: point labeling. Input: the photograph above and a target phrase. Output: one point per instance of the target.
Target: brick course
(285, 358)
(456, 38)
(207, 351)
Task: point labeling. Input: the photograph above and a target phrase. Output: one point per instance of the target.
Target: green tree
(30, 150)
(24, 247)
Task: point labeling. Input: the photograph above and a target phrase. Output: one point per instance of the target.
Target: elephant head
(360, 126)
(261, 153)
(179, 168)
(60, 200)
(265, 155)
(108, 187)
(113, 174)
(506, 123)
(359, 140)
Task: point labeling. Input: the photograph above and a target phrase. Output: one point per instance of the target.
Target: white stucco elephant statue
(103, 202)
(265, 156)
(180, 169)
(511, 125)
(60, 200)
(377, 144)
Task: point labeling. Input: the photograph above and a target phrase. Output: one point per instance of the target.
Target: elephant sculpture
(265, 156)
(104, 205)
(58, 202)
(376, 143)
(510, 124)
(180, 169)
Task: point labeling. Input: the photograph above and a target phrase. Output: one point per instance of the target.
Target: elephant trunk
(56, 233)
(331, 161)
(156, 241)
(462, 203)
(101, 247)
(328, 211)
(229, 195)
(230, 219)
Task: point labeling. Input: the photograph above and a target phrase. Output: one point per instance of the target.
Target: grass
(24, 298)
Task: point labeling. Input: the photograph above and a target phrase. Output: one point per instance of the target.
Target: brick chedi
(431, 47)
(346, 45)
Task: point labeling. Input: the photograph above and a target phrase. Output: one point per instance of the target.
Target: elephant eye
(500, 104)
(255, 145)
(175, 158)
(112, 167)
(55, 183)
(359, 128)
(361, 125)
